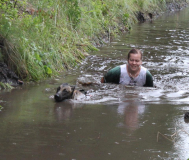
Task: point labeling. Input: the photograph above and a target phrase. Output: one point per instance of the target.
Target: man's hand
(102, 80)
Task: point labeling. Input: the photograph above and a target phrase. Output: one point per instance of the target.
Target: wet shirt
(119, 75)
(125, 79)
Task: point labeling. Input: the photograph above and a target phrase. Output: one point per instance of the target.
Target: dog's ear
(58, 89)
(83, 91)
(72, 88)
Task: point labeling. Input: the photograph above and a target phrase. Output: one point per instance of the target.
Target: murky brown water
(117, 122)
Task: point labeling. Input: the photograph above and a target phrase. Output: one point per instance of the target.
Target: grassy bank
(40, 38)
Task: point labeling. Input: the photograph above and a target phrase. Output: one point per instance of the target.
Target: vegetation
(40, 38)
(1, 107)
(5, 86)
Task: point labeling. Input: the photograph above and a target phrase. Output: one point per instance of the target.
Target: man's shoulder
(149, 79)
(148, 74)
(116, 69)
(113, 75)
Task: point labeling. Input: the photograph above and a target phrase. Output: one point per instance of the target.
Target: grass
(54, 35)
(1, 107)
(5, 86)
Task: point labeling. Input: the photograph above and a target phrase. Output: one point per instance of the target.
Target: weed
(1, 107)
(42, 38)
(5, 86)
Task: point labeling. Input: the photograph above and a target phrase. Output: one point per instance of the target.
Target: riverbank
(171, 6)
(40, 40)
(114, 121)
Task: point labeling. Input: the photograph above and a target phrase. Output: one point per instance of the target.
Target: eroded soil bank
(117, 121)
(12, 79)
(170, 7)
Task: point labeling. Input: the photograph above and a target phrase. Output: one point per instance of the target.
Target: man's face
(134, 62)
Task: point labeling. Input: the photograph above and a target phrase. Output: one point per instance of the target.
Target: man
(131, 74)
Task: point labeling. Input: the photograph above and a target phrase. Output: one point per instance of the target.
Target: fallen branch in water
(173, 136)
(163, 136)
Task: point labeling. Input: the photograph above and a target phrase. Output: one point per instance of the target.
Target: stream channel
(116, 122)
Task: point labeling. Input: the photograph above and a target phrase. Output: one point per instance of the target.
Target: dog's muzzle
(57, 97)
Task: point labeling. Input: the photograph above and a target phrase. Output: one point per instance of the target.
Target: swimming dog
(65, 91)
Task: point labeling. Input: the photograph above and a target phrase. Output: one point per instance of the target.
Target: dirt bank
(170, 7)
(142, 17)
(99, 40)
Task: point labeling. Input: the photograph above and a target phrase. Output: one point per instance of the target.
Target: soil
(8, 76)
(170, 7)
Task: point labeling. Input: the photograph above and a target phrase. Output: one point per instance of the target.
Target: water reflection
(181, 135)
(116, 122)
(165, 48)
(64, 110)
(131, 112)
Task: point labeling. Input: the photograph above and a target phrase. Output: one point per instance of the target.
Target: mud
(170, 7)
(142, 17)
(8, 76)
(117, 121)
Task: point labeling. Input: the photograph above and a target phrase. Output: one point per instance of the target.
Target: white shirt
(125, 79)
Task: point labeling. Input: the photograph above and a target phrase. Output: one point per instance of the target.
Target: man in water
(130, 74)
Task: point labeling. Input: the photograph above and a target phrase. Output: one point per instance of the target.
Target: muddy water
(114, 122)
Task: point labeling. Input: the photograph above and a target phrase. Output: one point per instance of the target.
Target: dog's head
(64, 91)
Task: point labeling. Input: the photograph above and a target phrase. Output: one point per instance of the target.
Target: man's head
(134, 51)
(134, 60)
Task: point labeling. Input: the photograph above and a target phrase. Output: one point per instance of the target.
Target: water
(116, 122)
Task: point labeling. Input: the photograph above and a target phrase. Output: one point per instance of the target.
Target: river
(115, 122)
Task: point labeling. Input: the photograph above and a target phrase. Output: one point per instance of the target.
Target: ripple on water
(178, 94)
(169, 87)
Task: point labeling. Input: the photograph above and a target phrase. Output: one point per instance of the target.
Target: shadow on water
(115, 121)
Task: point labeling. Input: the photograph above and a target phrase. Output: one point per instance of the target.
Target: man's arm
(112, 76)
(102, 80)
(149, 80)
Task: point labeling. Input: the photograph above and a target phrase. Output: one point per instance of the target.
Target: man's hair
(134, 51)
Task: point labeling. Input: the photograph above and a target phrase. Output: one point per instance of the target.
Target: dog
(65, 91)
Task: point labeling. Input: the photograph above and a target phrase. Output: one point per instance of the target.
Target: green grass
(56, 35)
(1, 107)
(5, 86)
